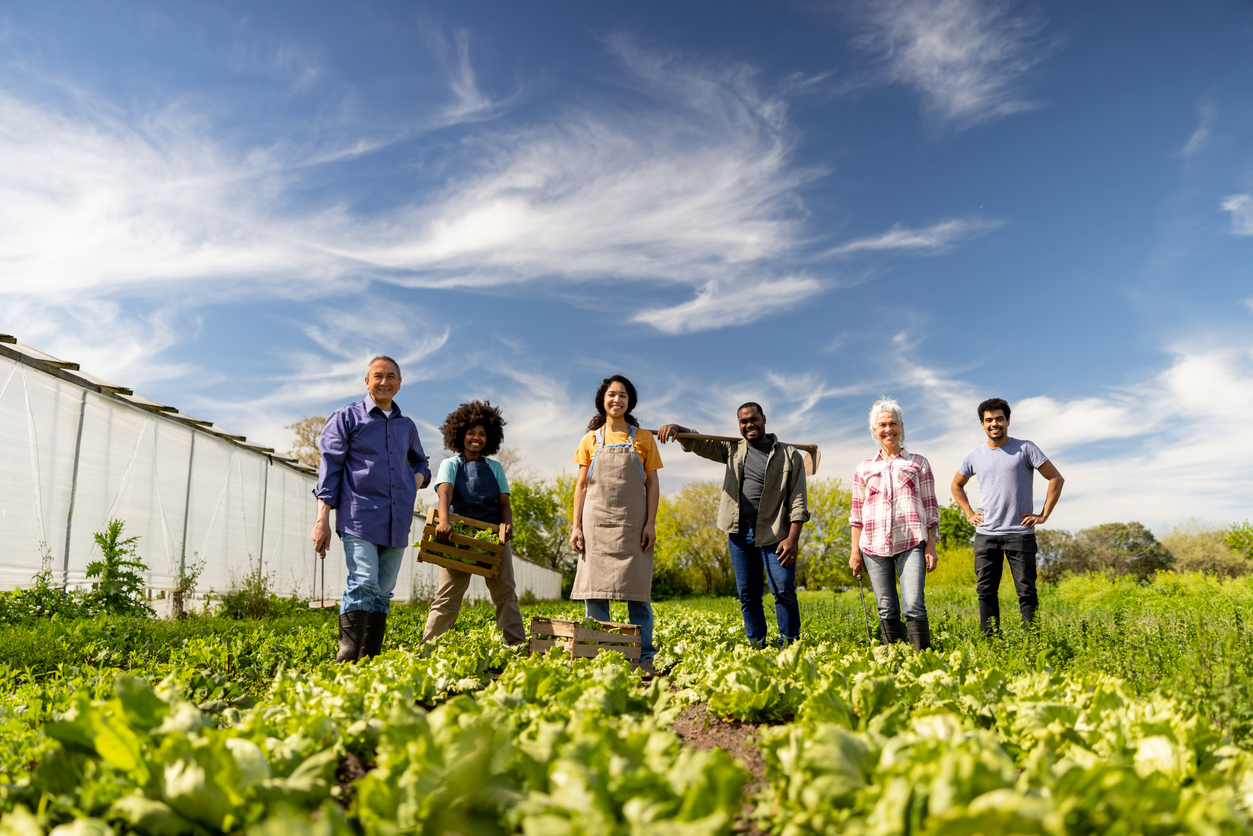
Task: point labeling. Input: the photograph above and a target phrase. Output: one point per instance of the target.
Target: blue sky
(230, 208)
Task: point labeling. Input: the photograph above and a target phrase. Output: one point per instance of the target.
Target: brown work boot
(646, 668)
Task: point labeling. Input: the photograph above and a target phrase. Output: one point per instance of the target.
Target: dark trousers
(991, 552)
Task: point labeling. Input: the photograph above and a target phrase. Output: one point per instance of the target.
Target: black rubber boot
(351, 635)
(893, 631)
(919, 634)
(375, 629)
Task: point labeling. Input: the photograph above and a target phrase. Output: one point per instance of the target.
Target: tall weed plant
(42, 600)
(252, 595)
(119, 588)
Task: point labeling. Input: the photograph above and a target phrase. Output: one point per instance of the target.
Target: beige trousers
(452, 588)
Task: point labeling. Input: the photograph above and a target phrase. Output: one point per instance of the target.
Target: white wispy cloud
(716, 306)
(1241, 208)
(121, 344)
(693, 186)
(935, 238)
(967, 58)
(1208, 113)
(471, 103)
(329, 370)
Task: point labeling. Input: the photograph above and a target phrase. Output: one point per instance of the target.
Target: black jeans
(1019, 550)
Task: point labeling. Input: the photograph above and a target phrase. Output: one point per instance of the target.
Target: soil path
(702, 730)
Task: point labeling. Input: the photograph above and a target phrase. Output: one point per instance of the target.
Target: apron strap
(638, 461)
(600, 442)
(600, 437)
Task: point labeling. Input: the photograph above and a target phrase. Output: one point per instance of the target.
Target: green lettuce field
(1129, 710)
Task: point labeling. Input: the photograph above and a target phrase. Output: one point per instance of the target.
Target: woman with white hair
(895, 519)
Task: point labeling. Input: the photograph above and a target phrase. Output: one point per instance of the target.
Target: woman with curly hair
(472, 485)
(615, 513)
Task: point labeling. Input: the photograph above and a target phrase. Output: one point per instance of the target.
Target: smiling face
(752, 424)
(888, 430)
(996, 425)
(475, 440)
(616, 400)
(382, 381)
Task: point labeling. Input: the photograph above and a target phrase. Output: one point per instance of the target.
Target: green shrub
(954, 566)
(43, 600)
(252, 596)
(955, 529)
(188, 575)
(1114, 548)
(120, 589)
(1240, 538)
(1200, 549)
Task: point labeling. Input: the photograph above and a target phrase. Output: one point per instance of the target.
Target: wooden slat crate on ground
(442, 554)
(583, 642)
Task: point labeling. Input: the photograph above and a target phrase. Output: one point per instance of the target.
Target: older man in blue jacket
(372, 467)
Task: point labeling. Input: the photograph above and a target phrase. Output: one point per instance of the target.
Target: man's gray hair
(378, 357)
(886, 404)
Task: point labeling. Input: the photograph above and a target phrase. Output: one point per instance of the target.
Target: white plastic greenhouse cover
(78, 452)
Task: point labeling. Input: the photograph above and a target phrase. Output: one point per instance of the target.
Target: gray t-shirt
(1005, 475)
(754, 481)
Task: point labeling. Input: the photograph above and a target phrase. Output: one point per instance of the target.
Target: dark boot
(351, 635)
(893, 631)
(990, 617)
(375, 629)
(919, 634)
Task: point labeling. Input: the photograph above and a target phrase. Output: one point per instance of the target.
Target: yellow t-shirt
(645, 446)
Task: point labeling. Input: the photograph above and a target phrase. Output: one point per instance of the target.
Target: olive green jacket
(783, 500)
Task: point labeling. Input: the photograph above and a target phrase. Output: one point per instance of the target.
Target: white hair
(886, 404)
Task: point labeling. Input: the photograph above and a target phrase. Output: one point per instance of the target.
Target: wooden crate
(431, 550)
(582, 642)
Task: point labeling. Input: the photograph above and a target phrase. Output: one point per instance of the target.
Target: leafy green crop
(1119, 713)
(481, 534)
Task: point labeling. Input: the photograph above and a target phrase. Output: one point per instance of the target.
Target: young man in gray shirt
(1005, 522)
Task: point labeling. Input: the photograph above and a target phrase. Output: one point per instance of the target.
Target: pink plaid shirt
(893, 503)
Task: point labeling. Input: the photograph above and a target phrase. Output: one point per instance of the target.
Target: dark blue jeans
(751, 563)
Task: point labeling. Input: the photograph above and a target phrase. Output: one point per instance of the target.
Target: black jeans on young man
(991, 552)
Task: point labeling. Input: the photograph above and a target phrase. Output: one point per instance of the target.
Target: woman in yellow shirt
(615, 513)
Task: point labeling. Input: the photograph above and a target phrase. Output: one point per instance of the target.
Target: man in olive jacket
(762, 510)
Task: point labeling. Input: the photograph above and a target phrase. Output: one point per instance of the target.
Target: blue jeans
(751, 563)
(372, 573)
(638, 612)
(911, 567)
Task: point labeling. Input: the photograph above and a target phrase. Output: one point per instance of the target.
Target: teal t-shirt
(448, 472)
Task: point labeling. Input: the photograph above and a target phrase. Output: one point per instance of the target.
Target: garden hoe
(865, 615)
(322, 599)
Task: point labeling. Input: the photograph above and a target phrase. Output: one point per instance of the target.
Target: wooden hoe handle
(812, 455)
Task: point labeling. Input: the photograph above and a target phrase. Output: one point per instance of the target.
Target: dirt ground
(701, 730)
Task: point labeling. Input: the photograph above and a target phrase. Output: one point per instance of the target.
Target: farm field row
(1126, 711)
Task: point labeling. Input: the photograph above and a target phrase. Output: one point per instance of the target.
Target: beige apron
(613, 565)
